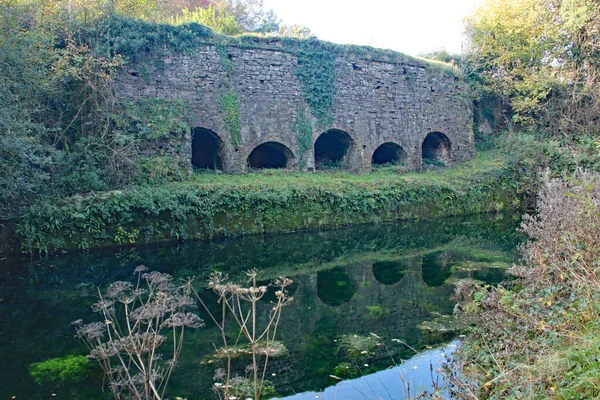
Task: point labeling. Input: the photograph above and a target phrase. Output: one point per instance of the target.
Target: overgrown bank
(536, 336)
(229, 205)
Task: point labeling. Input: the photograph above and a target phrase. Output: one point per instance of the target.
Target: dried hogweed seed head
(118, 290)
(103, 306)
(91, 331)
(189, 320)
(139, 269)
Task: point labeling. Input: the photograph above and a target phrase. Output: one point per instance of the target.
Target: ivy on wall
(316, 71)
(304, 131)
(151, 118)
(229, 104)
(227, 62)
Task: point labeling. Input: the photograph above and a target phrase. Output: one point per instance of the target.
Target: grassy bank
(537, 336)
(209, 205)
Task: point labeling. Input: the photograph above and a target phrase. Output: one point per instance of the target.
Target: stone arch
(437, 147)
(271, 155)
(389, 153)
(207, 149)
(333, 147)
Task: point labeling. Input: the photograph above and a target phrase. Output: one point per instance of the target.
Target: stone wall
(375, 102)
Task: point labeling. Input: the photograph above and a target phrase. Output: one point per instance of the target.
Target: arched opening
(436, 149)
(436, 269)
(389, 153)
(389, 272)
(334, 287)
(206, 149)
(332, 149)
(270, 155)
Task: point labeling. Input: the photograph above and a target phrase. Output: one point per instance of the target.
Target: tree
(215, 18)
(541, 55)
(299, 31)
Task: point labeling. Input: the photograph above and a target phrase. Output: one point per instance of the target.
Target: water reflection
(385, 279)
(389, 272)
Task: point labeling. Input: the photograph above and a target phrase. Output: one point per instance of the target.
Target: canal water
(383, 290)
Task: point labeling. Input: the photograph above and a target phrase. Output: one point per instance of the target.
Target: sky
(410, 26)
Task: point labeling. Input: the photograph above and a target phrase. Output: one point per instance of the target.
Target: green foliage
(214, 205)
(316, 71)
(117, 36)
(228, 63)
(346, 370)
(377, 311)
(161, 169)
(304, 133)
(543, 323)
(543, 56)
(214, 17)
(151, 118)
(357, 347)
(229, 105)
(58, 372)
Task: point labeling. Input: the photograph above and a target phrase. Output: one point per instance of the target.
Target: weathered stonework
(376, 101)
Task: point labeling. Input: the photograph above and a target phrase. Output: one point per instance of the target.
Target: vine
(227, 62)
(304, 131)
(229, 104)
(316, 71)
(151, 118)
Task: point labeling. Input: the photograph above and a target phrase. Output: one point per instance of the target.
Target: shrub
(531, 335)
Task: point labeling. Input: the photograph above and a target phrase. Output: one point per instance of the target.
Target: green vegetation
(304, 132)
(535, 65)
(540, 56)
(151, 118)
(316, 70)
(217, 19)
(547, 345)
(64, 131)
(230, 107)
(58, 372)
(272, 201)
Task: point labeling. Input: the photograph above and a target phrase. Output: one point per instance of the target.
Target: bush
(537, 335)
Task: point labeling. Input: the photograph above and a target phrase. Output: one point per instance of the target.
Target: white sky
(409, 26)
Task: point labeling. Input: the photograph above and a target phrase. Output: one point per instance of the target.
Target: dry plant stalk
(240, 304)
(125, 344)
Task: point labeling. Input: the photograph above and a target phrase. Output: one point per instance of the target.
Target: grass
(209, 205)
(458, 176)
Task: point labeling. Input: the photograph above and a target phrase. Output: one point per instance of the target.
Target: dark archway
(389, 272)
(270, 155)
(436, 149)
(332, 149)
(334, 287)
(389, 153)
(436, 269)
(206, 149)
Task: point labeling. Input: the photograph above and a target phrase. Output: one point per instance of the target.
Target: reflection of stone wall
(406, 303)
(376, 101)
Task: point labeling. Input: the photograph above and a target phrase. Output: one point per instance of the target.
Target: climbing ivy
(151, 118)
(303, 129)
(316, 71)
(221, 50)
(229, 104)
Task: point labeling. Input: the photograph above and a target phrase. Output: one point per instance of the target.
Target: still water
(394, 281)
